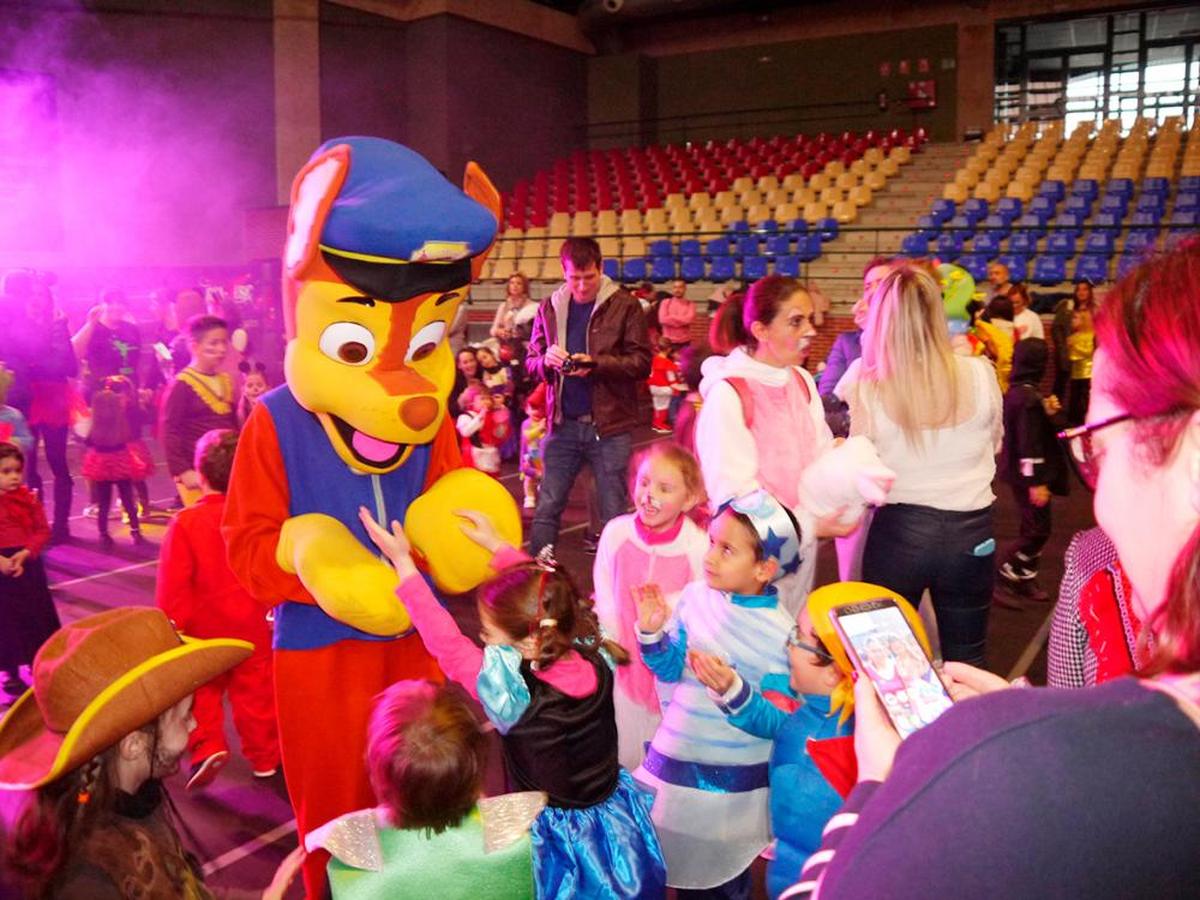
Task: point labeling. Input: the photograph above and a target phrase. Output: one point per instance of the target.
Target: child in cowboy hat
(108, 717)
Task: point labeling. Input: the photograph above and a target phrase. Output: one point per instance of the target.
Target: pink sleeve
(456, 653)
(507, 557)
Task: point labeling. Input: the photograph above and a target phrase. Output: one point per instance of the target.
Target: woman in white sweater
(936, 420)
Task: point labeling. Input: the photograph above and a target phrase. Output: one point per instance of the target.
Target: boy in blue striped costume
(709, 777)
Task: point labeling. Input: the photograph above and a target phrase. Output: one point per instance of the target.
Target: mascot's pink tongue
(373, 448)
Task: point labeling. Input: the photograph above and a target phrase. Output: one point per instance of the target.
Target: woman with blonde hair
(514, 315)
(936, 420)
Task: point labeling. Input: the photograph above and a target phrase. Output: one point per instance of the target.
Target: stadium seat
(1041, 205)
(716, 247)
(788, 265)
(1127, 262)
(1187, 201)
(975, 209)
(1049, 270)
(691, 267)
(722, 268)
(746, 245)
(1110, 222)
(662, 268)
(949, 245)
(754, 268)
(808, 247)
(827, 228)
(1184, 221)
(1158, 186)
(689, 247)
(1152, 203)
(634, 269)
(976, 264)
(1018, 266)
(915, 245)
(996, 224)
(661, 248)
(1099, 243)
(928, 226)
(1140, 239)
(1091, 268)
(1033, 223)
(1115, 204)
(1054, 190)
(1145, 219)
(1009, 207)
(1085, 187)
(942, 209)
(1120, 187)
(987, 244)
(611, 267)
(1078, 204)
(960, 225)
(1061, 243)
(779, 245)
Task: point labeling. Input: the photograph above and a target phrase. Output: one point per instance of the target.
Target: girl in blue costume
(710, 778)
(545, 679)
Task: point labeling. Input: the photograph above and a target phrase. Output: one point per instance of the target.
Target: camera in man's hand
(573, 364)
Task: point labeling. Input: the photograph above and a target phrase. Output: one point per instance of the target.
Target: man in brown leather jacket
(589, 345)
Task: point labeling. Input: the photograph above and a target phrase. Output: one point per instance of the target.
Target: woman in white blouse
(514, 316)
(936, 420)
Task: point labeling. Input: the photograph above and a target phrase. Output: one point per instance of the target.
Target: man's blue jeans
(570, 446)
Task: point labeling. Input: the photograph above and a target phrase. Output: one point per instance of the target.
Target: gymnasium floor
(242, 828)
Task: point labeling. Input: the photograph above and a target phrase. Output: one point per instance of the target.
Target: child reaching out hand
(710, 778)
(544, 678)
(657, 545)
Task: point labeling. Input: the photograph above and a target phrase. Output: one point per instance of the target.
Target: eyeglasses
(794, 639)
(1081, 448)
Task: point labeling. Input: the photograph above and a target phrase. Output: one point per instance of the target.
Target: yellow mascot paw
(346, 579)
(457, 563)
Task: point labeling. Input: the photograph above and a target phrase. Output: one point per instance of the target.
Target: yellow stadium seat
(560, 224)
(631, 220)
(845, 212)
(768, 183)
(504, 268)
(751, 198)
(1020, 190)
(832, 195)
(699, 200)
(607, 222)
(834, 168)
(785, 212)
(582, 224)
(552, 269)
(740, 185)
(860, 196)
(724, 199)
(777, 196)
(890, 166)
(988, 192)
(731, 214)
(758, 213)
(818, 182)
(876, 180)
(815, 212)
(955, 192)
(847, 181)
(805, 195)
(873, 156)
(673, 200)
(633, 246)
(900, 154)
(794, 182)
(610, 247)
(859, 168)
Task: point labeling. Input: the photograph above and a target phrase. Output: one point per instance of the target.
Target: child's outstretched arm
(458, 656)
(479, 528)
(663, 653)
(745, 706)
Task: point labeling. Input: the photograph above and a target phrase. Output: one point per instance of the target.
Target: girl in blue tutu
(544, 677)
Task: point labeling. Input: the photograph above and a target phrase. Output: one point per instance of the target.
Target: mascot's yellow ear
(457, 563)
(479, 188)
(313, 192)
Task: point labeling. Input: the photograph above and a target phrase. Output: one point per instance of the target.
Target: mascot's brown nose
(418, 412)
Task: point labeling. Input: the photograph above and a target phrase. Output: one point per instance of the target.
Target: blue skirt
(605, 851)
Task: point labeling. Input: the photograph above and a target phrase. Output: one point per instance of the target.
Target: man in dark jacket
(1031, 463)
(589, 345)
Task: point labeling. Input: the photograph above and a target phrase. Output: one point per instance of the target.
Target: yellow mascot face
(376, 374)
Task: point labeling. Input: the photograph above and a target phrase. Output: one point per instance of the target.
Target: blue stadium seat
(741, 226)
(942, 209)
(1098, 243)
(1023, 242)
(961, 225)
(1018, 266)
(689, 247)
(722, 268)
(747, 245)
(1106, 221)
(975, 263)
(1189, 183)
(1140, 239)
(949, 245)
(1035, 223)
(975, 209)
(754, 268)
(987, 243)
(1009, 207)
(1060, 243)
(691, 268)
(1056, 190)
(997, 225)
(929, 226)
(612, 268)
(1120, 187)
(916, 244)
(634, 269)
(662, 268)
(716, 247)
(1049, 270)
(1155, 203)
(661, 247)
(1159, 186)
(797, 226)
(767, 225)
(779, 245)
(1127, 263)
(1078, 204)
(828, 229)
(1092, 268)
(1070, 222)
(1187, 201)
(1042, 206)
(1085, 187)
(1184, 221)
(1145, 219)
(808, 247)
(1114, 203)
(788, 265)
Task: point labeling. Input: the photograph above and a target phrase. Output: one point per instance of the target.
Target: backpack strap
(802, 384)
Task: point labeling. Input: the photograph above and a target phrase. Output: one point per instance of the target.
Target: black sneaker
(591, 542)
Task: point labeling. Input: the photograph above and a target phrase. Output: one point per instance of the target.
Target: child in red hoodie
(198, 591)
(27, 614)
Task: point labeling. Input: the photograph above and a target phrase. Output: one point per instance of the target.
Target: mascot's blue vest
(329, 486)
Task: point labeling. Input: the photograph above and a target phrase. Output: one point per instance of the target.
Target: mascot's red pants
(323, 698)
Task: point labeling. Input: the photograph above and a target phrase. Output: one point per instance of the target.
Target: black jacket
(1031, 454)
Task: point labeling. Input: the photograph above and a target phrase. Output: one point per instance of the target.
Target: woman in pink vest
(762, 421)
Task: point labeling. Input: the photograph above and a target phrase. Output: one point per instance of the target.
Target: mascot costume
(380, 252)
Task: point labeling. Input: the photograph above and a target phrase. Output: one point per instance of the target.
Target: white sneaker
(264, 773)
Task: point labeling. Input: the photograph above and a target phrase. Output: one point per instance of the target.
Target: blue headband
(777, 532)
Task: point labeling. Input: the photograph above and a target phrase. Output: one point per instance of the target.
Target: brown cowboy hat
(97, 680)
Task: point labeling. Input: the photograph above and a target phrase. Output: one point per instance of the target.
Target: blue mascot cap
(778, 534)
(398, 228)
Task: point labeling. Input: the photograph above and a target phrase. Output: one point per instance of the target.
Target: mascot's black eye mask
(395, 282)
